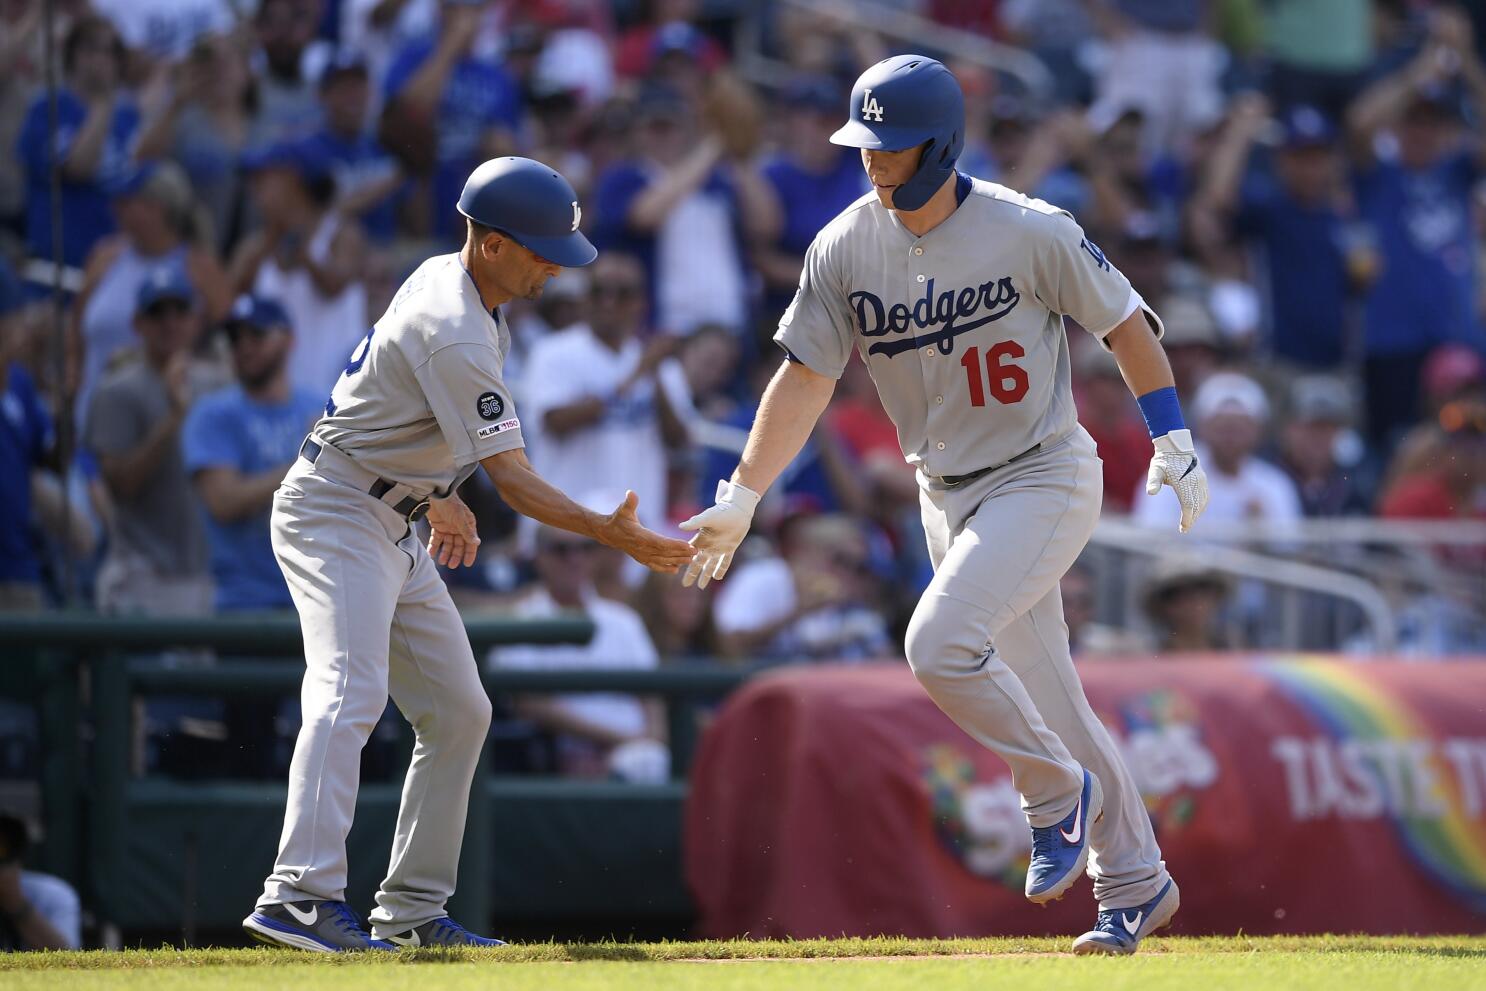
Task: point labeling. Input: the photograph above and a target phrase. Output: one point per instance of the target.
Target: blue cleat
(1061, 851)
(1120, 930)
(318, 926)
(442, 932)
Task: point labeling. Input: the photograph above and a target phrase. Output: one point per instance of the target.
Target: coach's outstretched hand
(622, 529)
(454, 540)
(719, 531)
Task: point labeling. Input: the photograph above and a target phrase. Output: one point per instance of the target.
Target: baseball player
(420, 406)
(953, 290)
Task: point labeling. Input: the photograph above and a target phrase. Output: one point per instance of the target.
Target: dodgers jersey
(423, 399)
(962, 328)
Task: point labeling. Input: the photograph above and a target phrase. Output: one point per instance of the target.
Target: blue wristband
(1162, 412)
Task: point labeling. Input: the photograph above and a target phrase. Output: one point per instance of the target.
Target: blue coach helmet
(531, 204)
(902, 102)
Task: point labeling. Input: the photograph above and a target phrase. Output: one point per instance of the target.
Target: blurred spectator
(366, 176)
(1229, 415)
(1183, 600)
(22, 45)
(25, 442)
(665, 26)
(1452, 372)
(1057, 32)
(96, 126)
(1319, 51)
(1113, 419)
(1086, 635)
(1312, 256)
(1450, 484)
(1319, 451)
(818, 602)
(574, 58)
(156, 561)
(1193, 343)
(812, 179)
(598, 400)
(165, 30)
(1415, 189)
(449, 106)
(1159, 60)
(308, 257)
(378, 29)
(709, 358)
(238, 443)
(202, 122)
(592, 729)
(821, 478)
(37, 911)
(679, 619)
(686, 212)
(1037, 155)
(286, 64)
(160, 224)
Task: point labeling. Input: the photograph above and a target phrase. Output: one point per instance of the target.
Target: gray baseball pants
(988, 643)
(377, 619)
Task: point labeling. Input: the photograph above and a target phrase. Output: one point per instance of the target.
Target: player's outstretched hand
(719, 531)
(1175, 464)
(454, 540)
(622, 529)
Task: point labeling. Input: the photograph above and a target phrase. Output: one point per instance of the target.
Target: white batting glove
(1175, 464)
(719, 531)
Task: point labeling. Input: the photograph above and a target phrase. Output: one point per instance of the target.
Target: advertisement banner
(1289, 795)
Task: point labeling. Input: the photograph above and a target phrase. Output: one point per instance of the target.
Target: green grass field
(1344, 963)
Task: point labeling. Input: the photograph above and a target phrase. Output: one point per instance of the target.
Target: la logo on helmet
(577, 214)
(871, 109)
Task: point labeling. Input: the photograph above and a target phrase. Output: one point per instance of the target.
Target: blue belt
(408, 507)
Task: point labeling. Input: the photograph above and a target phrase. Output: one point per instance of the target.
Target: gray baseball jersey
(422, 399)
(962, 331)
(420, 403)
(962, 328)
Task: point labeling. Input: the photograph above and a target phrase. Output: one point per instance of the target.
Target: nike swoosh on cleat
(411, 939)
(1132, 928)
(1078, 822)
(305, 918)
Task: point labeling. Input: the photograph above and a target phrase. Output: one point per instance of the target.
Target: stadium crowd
(235, 188)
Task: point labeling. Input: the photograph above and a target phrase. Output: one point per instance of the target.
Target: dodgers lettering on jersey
(423, 398)
(961, 329)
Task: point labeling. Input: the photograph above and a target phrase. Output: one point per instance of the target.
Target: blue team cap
(345, 62)
(162, 283)
(677, 36)
(1304, 125)
(304, 157)
(259, 313)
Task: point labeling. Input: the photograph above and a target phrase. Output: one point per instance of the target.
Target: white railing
(1316, 584)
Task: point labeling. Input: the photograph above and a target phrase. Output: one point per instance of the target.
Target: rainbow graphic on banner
(1451, 847)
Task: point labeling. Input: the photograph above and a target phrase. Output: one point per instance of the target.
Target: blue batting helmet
(531, 204)
(902, 102)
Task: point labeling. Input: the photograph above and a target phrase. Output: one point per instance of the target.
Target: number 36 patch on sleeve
(489, 406)
(496, 428)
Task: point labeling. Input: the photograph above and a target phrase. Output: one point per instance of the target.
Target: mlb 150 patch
(490, 406)
(496, 428)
